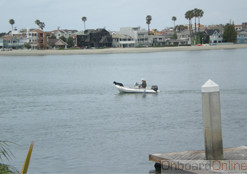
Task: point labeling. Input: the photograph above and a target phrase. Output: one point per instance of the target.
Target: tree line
(229, 35)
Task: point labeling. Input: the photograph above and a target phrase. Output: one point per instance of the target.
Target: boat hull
(124, 89)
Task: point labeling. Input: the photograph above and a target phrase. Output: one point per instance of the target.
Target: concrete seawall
(117, 50)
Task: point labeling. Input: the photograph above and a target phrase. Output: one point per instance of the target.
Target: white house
(122, 41)
(215, 36)
(36, 38)
(64, 33)
(158, 40)
(184, 36)
(140, 37)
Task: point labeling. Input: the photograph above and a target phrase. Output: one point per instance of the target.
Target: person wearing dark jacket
(144, 84)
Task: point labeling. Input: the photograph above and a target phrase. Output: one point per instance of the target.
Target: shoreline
(118, 50)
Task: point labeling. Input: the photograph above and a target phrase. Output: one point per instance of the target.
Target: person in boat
(144, 84)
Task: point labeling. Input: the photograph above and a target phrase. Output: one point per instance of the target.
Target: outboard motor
(117, 83)
(155, 88)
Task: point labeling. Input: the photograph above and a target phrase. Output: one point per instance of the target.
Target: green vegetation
(52, 37)
(70, 42)
(6, 153)
(230, 34)
(180, 28)
(175, 36)
(63, 38)
(27, 45)
(202, 38)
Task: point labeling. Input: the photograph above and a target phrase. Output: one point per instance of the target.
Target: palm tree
(6, 153)
(40, 24)
(84, 19)
(200, 15)
(174, 19)
(189, 16)
(148, 21)
(37, 22)
(12, 22)
(195, 15)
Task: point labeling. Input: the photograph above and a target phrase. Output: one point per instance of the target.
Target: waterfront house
(98, 38)
(56, 44)
(122, 41)
(244, 26)
(32, 38)
(36, 38)
(216, 27)
(11, 42)
(140, 37)
(78, 33)
(65, 33)
(176, 39)
(177, 42)
(169, 34)
(242, 33)
(215, 36)
(158, 40)
(184, 37)
(241, 37)
(238, 27)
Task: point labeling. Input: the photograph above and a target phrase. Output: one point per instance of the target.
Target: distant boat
(136, 89)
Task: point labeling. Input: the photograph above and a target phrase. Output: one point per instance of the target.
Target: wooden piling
(212, 121)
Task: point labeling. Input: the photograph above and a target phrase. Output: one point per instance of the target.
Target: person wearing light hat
(144, 84)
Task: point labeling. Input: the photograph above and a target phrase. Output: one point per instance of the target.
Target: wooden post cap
(210, 86)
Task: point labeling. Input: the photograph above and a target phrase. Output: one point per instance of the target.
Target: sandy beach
(117, 50)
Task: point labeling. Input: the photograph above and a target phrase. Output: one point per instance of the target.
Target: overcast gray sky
(113, 14)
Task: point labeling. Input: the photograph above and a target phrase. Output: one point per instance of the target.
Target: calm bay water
(80, 123)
